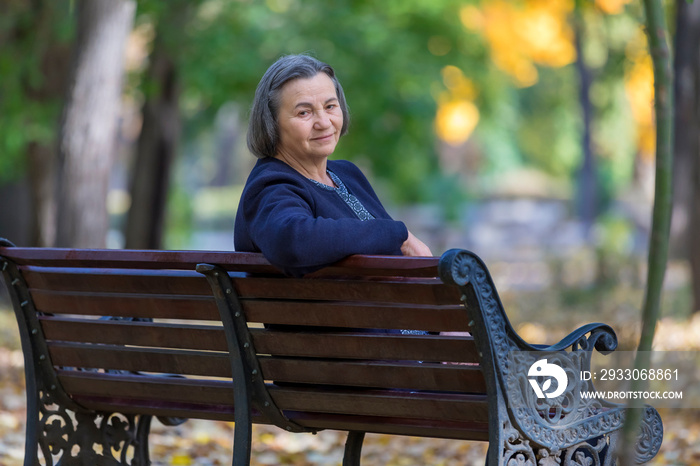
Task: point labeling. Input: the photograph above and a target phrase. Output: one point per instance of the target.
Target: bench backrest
(97, 321)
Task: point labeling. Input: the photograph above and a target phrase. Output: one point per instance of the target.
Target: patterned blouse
(354, 203)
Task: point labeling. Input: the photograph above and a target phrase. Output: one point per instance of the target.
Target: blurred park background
(520, 129)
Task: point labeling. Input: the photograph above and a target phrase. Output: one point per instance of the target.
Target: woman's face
(309, 118)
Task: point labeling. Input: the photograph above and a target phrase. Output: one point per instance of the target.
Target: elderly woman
(301, 210)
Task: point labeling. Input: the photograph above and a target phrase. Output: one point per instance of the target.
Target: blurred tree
(587, 173)
(686, 216)
(36, 40)
(160, 129)
(89, 123)
(662, 61)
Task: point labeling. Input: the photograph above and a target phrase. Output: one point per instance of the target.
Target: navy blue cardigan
(301, 227)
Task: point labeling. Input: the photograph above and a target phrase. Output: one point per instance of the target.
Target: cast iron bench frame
(99, 381)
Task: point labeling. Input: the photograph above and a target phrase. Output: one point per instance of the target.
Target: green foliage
(550, 139)
(179, 221)
(35, 39)
(380, 52)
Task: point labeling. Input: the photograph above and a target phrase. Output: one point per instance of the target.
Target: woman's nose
(322, 120)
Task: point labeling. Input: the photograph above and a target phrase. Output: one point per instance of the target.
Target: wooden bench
(114, 337)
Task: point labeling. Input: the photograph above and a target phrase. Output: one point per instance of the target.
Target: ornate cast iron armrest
(602, 337)
(552, 425)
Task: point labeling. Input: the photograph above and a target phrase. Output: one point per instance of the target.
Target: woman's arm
(281, 223)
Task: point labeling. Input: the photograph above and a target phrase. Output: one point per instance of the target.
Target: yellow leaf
(524, 34)
(181, 460)
(455, 121)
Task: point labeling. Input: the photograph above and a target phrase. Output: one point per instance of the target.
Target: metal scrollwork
(55, 427)
(650, 436)
(455, 268)
(518, 451)
(587, 454)
(67, 438)
(461, 270)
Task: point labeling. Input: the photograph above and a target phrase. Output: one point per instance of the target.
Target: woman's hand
(415, 247)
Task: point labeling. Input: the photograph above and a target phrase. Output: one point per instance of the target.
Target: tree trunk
(686, 208)
(34, 38)
(160, 133)
(89, 125)
(693, 239)
(157, 144)
(42, 177)
(587, 175)
(657, 34)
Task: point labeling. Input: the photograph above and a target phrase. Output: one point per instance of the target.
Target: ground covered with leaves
(206, 443)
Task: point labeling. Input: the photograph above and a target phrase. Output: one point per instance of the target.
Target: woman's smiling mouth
(323, 138)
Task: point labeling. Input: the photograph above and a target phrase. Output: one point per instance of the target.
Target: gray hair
(263, 131)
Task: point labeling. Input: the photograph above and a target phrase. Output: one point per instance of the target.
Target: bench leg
(353, 448)
(69, 438)
(242, 443)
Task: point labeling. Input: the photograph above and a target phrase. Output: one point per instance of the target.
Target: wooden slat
(115, 357)
(366, 346)
(115, 404)
(408, 376)
(136, 259)
(156, 334)
(126, 305)
(416, 291)
(468, 430)
(313, 313)
(390, 266)
(358, 315)
(233, 261)
(391, 403)
(169, 282)
(145, 387)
